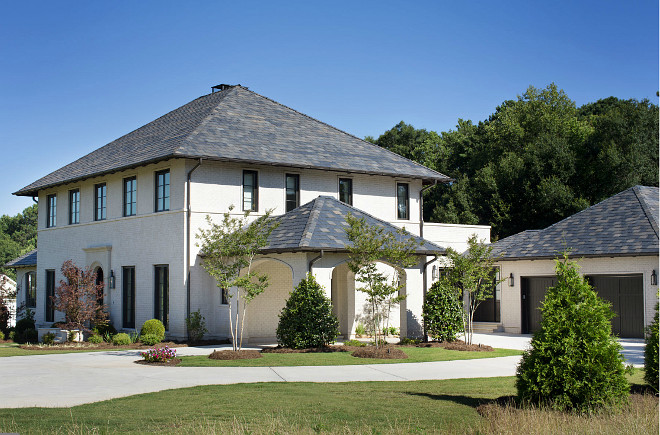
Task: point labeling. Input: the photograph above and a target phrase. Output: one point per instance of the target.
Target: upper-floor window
(100, 198)
(51, 211)
(292, 198)
(74, 206)
(346, 190)
(162, 190)
(402, 201)
(31, 290)
(250, 191)
(130, 196)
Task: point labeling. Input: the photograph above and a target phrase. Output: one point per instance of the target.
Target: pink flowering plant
(159, 354)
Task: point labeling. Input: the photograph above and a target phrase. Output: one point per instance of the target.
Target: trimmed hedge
(443, 312)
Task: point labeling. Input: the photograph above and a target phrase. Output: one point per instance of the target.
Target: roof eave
(578, 256)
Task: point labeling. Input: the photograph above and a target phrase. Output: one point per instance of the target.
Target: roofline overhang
(425, 180)
(303, 249)
(577, 256)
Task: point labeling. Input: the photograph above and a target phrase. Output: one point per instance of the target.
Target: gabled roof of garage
(321, 225)
(625, 224)
(27, 260)
(238, 125)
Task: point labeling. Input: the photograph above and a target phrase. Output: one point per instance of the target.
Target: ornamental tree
(229, 249)
(651, 353)
(574, 363)
(370, 244)
(77, 297)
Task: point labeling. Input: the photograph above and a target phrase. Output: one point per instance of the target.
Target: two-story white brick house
(131, 210)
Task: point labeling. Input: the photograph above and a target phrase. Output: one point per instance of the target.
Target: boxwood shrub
(121, 339)
(150, 339)
(651, 353)
(153, 327)
(307, 319)
(95, 339)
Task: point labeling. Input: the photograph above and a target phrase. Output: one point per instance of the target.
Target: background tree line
(536, 160)
(18, 236)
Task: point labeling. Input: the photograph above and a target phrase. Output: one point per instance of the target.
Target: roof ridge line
(646, 210)
(343, 132)
(311, 223)
(223, 95)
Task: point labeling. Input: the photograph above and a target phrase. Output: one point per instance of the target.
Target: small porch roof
(26, 260)
(320, 225)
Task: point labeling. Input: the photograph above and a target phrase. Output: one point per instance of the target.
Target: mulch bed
(170, 363)
(452, 345)
(104, 345)
(235, 354)
(381, 353)
(326, 349)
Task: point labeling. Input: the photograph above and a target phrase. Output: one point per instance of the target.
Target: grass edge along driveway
(415, 354)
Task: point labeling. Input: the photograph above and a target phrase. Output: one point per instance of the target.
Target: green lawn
(12, 349)
(447, 406)
(415, 354)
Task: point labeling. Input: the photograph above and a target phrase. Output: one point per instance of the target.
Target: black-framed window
(100, 201)
(50, 294)
(250, 190)
(346, 190)
(51, 211)
(128, 296)
(402, 201)
(161, 293)
(130, 196)
(31, 290)
(74, 206)
(224, 297)
(162, 193)
(292, 187)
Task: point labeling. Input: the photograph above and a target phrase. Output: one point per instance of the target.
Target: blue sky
(76, 75)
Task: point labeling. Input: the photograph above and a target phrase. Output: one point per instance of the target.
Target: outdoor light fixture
(654, 278)
(511, 279)
(434, 272)
(111, 280)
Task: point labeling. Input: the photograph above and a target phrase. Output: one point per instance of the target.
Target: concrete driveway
(64, 380)
(72, 379)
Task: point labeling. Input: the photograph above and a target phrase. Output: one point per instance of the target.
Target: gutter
(188, 216)
(314, 260)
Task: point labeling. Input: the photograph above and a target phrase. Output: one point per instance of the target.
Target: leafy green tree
(651, 353)
(443, 311)
(536, 160)
(472, 274)
(574, 362)
(369, 245)
(307, 319)
(18, 235)
(229, 250)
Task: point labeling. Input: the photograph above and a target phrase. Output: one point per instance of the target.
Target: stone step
(486, 327)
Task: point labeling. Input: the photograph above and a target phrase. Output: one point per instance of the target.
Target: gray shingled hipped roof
(625, 224)
(27, 260)
(238, 125)
(321, 225)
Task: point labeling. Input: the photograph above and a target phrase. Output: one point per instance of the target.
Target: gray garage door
(624, 292)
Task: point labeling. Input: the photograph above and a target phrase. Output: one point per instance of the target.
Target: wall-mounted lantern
(111, 280)
(511, 282)
(654, 278)
(434, 273)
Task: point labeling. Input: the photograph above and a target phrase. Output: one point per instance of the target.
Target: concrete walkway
(63, 380)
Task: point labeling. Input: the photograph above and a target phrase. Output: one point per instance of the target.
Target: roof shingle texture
(625, 224)
(29, 259)
(239, 125)
(321, 225)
